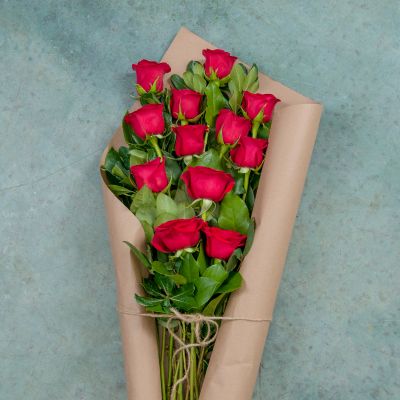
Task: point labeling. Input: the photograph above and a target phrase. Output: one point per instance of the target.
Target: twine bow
(198, 320)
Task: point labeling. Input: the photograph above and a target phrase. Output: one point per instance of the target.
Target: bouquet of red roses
(182, 182)
(190, 172)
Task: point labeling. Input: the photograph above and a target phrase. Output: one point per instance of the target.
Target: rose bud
(207, 183)
(177, 234)
(218, 61)
(185, 103)
(221, 243)
(147, 120)
(253, 103)
(150, 72)
(152, 174)
(231, 127)
(189, 139)
(249, 153)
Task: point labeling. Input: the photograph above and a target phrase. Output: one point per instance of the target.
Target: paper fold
(238, 350)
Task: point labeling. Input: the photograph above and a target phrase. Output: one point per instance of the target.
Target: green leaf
(165, 283)
(250, 237)
(143, 198)
(236, 96)
(120, 190)
(209, 159)
(205, 288)
(150, 303)
(139, 255)
(234, 214)
(164, 218)
(137, 157)
(216, 272)
(238, 77)
(146, 214)
(185, 211)
(124, 156)
(235, 257)
(148, 230)
(183, 297)
(112, 158)
(173, 169)
(250, 198)
(166, 205)
(160, 268)
(233, 283)
(195, 67)
(210, 308)
(251, 82)
(215, 102)
(199, 83)
(181, 196)
(201, 259)
(263, 130)
(239, 182)
(151, 288)
(190, 269)
(177, 82)
(188, 79)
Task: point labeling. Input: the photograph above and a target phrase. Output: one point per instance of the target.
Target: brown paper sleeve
(237, 354)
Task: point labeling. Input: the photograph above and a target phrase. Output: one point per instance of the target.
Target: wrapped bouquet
(189, 169)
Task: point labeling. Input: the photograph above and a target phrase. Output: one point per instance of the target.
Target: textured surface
(64, 84)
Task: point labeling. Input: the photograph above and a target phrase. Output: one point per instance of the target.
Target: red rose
(219, 61)
(177, 234)
(187, 102)
(231, 126)
(207, 183)
(152, 174)
(189, 139)
(221, 243)
(148, 72)
(147, 120)
(253, 103)
(249, 153)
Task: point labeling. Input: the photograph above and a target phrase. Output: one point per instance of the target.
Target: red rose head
(147, 120)
(152, 174)
(221, 243)
(148, 72)
(219, 61)
(185, 101)
(207, 183)
(177, 234)
(189, 139)
(249, 153)
(253, 103)
(231, 126)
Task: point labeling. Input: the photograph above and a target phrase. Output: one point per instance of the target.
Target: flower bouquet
(190, 171)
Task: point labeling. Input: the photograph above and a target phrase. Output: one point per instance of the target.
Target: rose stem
(170, 353)
(200, 364)
(154, 142)
(224, 148)
(246, 183)
(254, 129)
(192, 364)
(183, 362)
(205, 139)
(162, 361)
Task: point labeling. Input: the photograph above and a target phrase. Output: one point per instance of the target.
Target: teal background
(65, 80)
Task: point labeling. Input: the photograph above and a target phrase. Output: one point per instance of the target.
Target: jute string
(197, 320)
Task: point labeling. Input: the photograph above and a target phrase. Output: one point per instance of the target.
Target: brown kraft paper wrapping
(238, 350)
